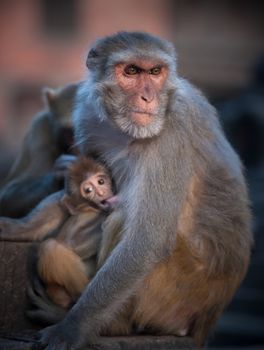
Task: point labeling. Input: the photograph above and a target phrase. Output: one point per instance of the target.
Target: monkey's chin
(142, 119)
(139, 125)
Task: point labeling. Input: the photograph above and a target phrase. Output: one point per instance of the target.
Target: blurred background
(220, 47)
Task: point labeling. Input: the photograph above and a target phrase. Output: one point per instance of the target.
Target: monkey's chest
(107, 144)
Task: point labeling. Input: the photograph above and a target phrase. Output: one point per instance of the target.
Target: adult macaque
(33, 175)
(66, 262)
(186, 239)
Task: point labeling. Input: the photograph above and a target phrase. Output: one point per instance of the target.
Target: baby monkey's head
(89, 182)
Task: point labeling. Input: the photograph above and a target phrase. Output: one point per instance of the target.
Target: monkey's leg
(59, 295)
(59, 265)
(180, 298)
(45, 218)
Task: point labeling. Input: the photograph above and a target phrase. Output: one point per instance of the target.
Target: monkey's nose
(100, 192)
(146, 98)
(147, 93)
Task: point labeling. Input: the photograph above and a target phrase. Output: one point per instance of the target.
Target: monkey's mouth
(109, 203)
(142, 118)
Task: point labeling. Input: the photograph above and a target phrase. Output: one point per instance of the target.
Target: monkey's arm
(45, 218)
(21, 195)
(20, 164)
(147, 239)
(30, 178)
(37, 151)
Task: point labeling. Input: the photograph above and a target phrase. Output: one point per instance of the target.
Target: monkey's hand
(61, 337)
(62, 164)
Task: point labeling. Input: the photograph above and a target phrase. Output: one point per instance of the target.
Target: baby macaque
(73, 219)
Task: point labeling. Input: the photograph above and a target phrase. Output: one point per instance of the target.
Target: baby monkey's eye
(132, 70)
(101, 181)
(155, 70)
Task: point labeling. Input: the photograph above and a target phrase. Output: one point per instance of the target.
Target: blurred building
(44, 42)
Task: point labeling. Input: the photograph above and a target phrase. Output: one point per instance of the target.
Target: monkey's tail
(41, 308)
(58, 264)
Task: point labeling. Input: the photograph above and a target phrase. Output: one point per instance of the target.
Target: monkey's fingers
(56, 338)
(62, 164)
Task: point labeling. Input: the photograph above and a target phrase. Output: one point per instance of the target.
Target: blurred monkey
(33, 175)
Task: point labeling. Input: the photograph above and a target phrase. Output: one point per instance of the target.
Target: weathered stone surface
(25, 342)
(17, 341)
(144, 343)
(13, 277)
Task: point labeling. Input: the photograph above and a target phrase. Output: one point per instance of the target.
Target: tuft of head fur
(111, 49)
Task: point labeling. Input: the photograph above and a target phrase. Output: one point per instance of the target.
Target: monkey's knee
(122, 324)
(119, 327)
(59, 295)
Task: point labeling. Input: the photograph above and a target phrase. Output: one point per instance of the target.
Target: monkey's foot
(59, 337)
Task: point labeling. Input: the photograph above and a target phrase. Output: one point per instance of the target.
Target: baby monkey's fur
(67, 260)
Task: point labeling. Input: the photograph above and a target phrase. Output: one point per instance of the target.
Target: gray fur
(152, 169)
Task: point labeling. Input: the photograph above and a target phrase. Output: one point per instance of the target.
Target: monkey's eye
(155, 71)
(132, 70)
(88, 190)
(101, 181)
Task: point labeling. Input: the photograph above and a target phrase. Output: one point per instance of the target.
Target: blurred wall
(44, 42)
(218, 42)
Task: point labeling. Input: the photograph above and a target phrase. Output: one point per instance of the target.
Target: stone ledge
(13, 277)
(141, 342)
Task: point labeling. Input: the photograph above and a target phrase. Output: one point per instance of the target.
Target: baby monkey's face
(97, 188)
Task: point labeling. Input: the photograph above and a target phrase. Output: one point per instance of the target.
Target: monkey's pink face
(97, 188)
(142, 82)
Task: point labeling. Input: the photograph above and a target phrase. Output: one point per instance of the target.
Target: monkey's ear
(67, 202)
(92, 58)
(50, 95)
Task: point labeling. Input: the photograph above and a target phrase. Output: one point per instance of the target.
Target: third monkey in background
(35, 173)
